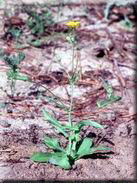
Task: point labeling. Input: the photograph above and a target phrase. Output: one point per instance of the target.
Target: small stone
(4, 123)
(132, 110)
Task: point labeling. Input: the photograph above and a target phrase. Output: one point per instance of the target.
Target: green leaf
(22, 78)
(107, 9)
(104, 103)
(36, 43)
(30, 22)
(41, 28)
(73, 79)
(21, 56)
(54, 123)
(13, 60)
(88, 123)
(71, 39)
(2, 53)
(72, 128)
(108, 89)
(75, 142)
(110, 97)
(57, 103)
(41, 157)
(34, 30)
(57, 158)
(37, 22)
(60, 159)
(127, 23)
(85, 147)
(16, 32)
(11, 74)
(52, 143)
(100, 148)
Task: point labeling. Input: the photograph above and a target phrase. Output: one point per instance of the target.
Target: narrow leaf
(41, 157)
(21, 56)
(54, 123)
(36, 43)
(88, 123)
(59, 159)
(108, 89)
(100, 148)
(104, 103)
(22, 78)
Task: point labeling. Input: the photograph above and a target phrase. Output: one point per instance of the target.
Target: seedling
(112, 3)
(13, 70)
(110, 98)
(15, 32)
(127, 23)
(38, 22)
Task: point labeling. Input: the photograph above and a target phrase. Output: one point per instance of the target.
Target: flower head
(73, 24)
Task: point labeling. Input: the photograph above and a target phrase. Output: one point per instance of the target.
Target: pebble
(4, 123)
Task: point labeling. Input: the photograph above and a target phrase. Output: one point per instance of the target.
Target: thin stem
(73, 51)
(71, 101)
(72, 87)
(70, 116)
(48, 91)
(71, 104)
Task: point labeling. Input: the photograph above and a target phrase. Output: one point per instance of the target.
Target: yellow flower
(73, 24)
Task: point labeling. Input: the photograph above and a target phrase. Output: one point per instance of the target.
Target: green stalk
(70, 118)
(47, 90)
(72, 88)
(73, 51)
(71, 102)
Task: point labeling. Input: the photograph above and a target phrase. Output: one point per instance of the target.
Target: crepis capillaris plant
(75, 148)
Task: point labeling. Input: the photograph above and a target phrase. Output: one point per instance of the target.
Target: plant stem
(71, 101)
(73, 51)
(72, 88)
(30, 80)
(71, 104)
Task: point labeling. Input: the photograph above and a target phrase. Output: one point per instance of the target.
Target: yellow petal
(73, 24)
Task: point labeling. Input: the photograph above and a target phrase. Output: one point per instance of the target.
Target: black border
(69, 181)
